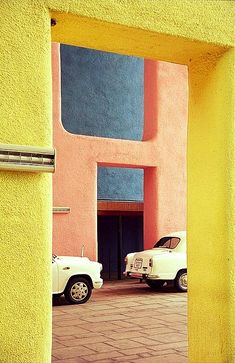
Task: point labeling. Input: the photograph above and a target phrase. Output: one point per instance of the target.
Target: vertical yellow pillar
(25, 207)
(211, 203)
(183, 30)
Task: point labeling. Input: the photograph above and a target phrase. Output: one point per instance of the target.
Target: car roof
(180, 234)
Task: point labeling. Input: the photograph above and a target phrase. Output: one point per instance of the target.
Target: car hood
(71, 259)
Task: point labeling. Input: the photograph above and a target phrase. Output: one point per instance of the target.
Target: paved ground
(122, 322)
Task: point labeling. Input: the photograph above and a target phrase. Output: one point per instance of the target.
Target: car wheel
(181, 283)
(155, 284)
(78, 290)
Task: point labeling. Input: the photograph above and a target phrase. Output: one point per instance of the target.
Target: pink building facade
(161, 154)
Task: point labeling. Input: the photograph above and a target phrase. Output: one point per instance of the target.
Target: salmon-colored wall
(172, 115)
(162, 156)
(165, 119)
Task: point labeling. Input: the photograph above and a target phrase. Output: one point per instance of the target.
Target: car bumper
(137, 275)
(98, 284)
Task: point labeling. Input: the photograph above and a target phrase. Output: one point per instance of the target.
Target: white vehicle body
(161, 263)
(66, 269)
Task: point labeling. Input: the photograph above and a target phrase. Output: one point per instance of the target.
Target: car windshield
(167, 242)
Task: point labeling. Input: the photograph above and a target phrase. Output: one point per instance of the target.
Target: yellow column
(184, 30)
(211, 203)
(25, 207)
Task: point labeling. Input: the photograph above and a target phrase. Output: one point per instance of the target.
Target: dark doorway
(117, 236)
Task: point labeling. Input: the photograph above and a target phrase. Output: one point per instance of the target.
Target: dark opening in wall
(102, 94)
(120, 231)
(118, 235)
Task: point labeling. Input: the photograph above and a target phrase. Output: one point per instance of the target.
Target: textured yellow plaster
(91, 33)
(25, 239)
(24, 57)
(197, 33)
(25, 202)
(199, 20)
(175, 31)
(211, 248)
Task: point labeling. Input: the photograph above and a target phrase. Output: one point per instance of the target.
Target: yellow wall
(25, 198)
(211, 247)
(197, 33)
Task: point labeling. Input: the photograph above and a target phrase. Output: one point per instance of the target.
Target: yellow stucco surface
(211, 244)
(180, 18)
(25, 202)
(197, 33)
(153, 30)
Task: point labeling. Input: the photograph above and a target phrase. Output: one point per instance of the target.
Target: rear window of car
(167, 242)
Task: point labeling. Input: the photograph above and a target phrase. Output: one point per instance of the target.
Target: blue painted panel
(102, 93)
(120, 184)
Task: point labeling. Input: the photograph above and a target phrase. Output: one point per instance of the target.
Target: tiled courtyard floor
(125, 321)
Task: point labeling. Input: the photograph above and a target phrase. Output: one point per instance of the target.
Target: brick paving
(124, 321)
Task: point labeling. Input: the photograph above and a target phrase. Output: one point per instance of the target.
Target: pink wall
(75, 180)
(166, 114)
(172, 115)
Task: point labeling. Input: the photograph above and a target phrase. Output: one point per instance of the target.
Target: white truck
(75, 277)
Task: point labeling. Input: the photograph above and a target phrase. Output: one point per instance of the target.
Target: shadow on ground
(121, 288)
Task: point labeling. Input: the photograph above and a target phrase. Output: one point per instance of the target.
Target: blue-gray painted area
(102, 93)
(120, 184)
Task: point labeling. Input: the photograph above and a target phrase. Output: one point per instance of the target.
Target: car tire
(56, 299)
(155, 284)
(181, 281)
(78, 290)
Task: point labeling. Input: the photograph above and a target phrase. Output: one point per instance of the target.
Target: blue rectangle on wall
(102, 94)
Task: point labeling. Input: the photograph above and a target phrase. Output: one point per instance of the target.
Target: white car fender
(170, 269)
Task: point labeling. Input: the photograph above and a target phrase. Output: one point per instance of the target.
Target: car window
(167, 242)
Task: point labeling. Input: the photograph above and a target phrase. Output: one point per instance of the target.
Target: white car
(75, 277)
(166, 261)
